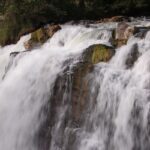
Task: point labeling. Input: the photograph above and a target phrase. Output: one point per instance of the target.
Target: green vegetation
(101, 53)
(22, 16)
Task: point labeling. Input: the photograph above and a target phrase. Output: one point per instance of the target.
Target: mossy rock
(80, 86)
(40, 36)
(97, 53)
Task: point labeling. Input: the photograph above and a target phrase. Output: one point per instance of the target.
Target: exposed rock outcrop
(40, 36)
(132, 56)
(92, 55)
(124, 31)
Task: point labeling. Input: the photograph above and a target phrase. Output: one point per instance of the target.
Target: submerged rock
(141, 32)
(41, 35)
(132, 56)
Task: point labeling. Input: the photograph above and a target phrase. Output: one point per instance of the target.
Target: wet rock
(141, 32)
(124, 31)
(132, 56)
(14, 54)
(70, 94)
(97, 53)
(41, 35)
(91, 56)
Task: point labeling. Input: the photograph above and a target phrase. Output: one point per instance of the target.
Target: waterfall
(120, 119)
(116, 116)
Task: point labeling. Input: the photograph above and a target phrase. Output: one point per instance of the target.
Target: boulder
(51, 29)
(132, 56)
(98, 53)
(141, 32)
(122, 33)
(41, 35)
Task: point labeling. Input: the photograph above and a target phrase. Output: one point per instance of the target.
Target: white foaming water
(27, 85)
(120, 119)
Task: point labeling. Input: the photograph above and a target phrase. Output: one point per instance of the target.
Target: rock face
(123, 32)
(93, 55)
(132, 56)
(40, 36)
(117, 19)
(71, 94)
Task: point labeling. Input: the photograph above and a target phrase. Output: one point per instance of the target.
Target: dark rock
(132, 56)
(140, 32)
(14, 54)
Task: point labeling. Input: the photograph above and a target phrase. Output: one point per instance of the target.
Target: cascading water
(120, 118)
(26, 86)
(117, 113)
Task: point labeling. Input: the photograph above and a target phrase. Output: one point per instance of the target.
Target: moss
(39, 36)
(100, 53)
(97, 53)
